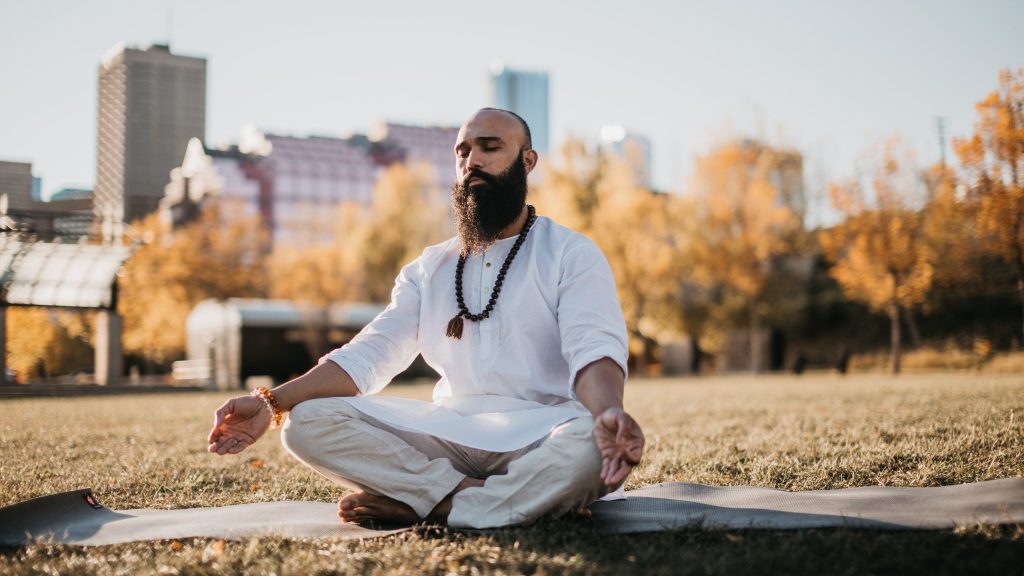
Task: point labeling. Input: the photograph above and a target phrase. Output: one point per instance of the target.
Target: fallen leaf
(213, 551)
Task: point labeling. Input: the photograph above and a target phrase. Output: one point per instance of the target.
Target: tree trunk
(915, 333)
(1020, 287)
(1020, 292)
(894, 338)
(755, 342)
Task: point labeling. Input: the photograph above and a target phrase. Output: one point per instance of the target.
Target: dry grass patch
(813, 432)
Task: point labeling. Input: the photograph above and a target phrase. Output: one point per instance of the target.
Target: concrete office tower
(15, 185)
(526, 94)
(151, 102)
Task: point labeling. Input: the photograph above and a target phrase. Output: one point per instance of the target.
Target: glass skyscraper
(526, 94)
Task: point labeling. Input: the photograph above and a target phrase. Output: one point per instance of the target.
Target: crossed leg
(393, 475)
(407, 477)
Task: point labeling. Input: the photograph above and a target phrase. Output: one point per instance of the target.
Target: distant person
(800, 364)
(520, 318)
(843, 363)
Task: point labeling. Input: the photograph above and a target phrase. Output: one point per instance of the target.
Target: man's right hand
(238, 423)
(621, 442)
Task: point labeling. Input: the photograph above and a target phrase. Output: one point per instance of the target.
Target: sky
(831, 79)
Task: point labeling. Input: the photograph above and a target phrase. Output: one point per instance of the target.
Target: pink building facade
(297, 183)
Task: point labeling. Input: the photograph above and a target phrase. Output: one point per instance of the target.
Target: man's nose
(474, 160)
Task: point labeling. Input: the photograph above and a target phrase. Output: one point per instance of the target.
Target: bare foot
(361, 507)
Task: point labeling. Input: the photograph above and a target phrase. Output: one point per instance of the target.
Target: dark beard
(484, 210)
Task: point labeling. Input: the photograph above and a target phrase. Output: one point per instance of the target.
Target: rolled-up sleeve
(589, 314)
(387, 345)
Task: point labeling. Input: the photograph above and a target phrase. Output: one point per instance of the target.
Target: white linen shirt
(510, 378)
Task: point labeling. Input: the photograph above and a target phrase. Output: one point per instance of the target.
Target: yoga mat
(673, 506)
(78, 518)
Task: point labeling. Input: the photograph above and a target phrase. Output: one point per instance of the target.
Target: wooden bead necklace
(455, 325)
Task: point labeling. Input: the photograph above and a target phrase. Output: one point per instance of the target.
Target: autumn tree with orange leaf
(318, 274)
(569, 191)
(409, 212)
(749, 216)
(597, 194)
(993, 163)
(48, 341)
(176, 269)
(371, 243)
(880, 251)
(637, 232)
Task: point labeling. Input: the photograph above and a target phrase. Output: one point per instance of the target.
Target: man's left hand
(621, 442)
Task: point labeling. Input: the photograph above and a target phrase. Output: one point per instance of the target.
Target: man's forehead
(492, 124)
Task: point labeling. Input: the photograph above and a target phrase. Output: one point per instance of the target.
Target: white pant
(553, 476)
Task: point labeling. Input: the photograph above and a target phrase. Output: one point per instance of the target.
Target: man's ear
(530, 159)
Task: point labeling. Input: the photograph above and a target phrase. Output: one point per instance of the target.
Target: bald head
(490, 140)
(527, 137)
(513, 128)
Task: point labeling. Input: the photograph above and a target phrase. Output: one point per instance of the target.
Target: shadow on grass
(987, 550)
(571, 547)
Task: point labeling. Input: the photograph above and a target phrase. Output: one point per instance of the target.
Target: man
(520, 318)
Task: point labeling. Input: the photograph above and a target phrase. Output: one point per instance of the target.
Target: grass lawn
(794, 433)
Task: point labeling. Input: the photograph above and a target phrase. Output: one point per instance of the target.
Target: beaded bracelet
(275, 409)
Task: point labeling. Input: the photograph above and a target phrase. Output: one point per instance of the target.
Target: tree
(597, 195)
(176, 269)
(409, 212)
(45, 341)
(371, 243)
(568, 192)
(749, 216)
(993, 163)
(308, 274)
(951, 232)
(635, 229)
(880, 253)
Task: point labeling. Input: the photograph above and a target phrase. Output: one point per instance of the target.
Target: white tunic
(509, 380)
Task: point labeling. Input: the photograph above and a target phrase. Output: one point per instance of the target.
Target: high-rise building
(526, 94)
(151, 102)
(16, 184)
(634, 148)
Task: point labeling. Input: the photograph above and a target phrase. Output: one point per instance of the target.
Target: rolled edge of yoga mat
(53, 518)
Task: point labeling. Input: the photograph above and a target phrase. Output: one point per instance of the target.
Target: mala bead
(456, 324)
